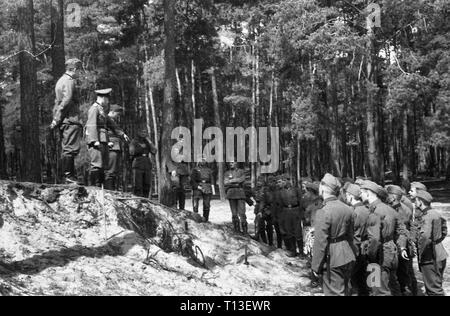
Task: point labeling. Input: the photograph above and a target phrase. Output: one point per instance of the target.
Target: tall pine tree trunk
(166, 196)
(57, 32)
(3, 174)
(217, 122)
(334, 119)
(374, 156)
(29, 112)
(405, 147)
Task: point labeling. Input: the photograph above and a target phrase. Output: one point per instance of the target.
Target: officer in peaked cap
(66, 116)
(97, 137)
(332, 251)
(428, 234)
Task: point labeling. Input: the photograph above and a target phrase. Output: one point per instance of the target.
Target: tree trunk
(334, 119)
(31, 166)
(217, 122)
(3, 173)
(57, 32)
(255, 97)
(374, 156)
(166, 196)
(405, 147)
(194, 105)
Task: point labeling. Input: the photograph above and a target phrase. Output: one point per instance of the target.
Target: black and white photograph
(226, 153)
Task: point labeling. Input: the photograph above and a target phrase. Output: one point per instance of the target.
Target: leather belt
(339, 239)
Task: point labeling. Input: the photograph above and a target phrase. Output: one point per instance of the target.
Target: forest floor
(65, 247)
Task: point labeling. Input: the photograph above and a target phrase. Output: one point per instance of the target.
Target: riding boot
(236, 225)
(93, 177)
(206, 214)
(269, 232)
(245, 228)
(109, 184)
(300, 249)
(290, 247)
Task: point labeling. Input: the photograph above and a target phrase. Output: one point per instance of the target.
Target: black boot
(300, 249)
(206, 215)
(290, 247)
(245, 228)
(94, 178)
(109, 184)
(269, 232)
(68, 165)
(236, 225)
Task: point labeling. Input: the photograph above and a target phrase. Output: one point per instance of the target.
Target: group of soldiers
(103, 137)
(342, 227)
(350, 230)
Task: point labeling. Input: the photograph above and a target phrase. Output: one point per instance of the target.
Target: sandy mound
(75, 241)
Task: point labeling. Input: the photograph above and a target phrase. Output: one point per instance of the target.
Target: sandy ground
(63, 250)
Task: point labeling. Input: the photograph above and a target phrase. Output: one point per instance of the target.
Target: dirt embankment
(77, 241)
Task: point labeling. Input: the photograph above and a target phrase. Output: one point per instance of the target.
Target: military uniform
(114, 160)
(97, 127)
(67, 116)
(405, 270)
(270, 205)
(260, 221)
(179, 182)
(291, 214)
(332, 243)
(360, 222)
(140, 150)
(385, 232)
(428, 232)
(234, 181)
(202, 180)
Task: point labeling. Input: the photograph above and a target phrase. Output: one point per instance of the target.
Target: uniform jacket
(311, 203)
(334, 220)
(203, 177)
(405, 214)
(360, 221)
(115, 139)
(140, 149)
(234, 181)
(290, 198)
(385, 229)
(67, 108)
(98, 124)
(429, 231)
(179, 181)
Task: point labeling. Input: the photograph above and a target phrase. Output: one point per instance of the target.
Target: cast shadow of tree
(61, 257)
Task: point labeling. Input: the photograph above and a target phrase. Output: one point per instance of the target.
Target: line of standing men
(103, 136)
(371, 225)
